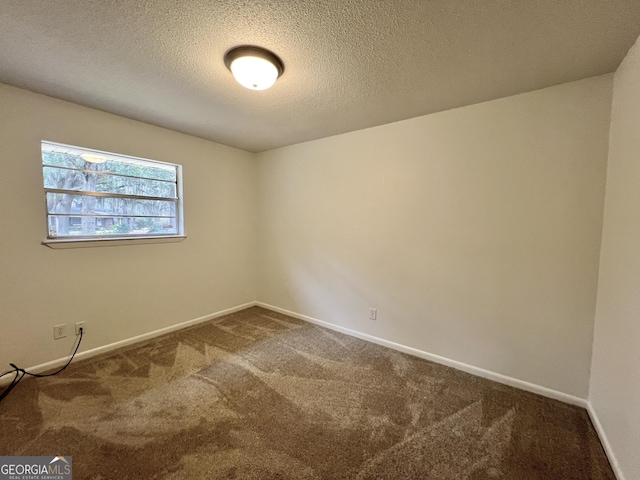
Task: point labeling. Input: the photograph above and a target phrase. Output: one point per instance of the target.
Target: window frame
(73, 241)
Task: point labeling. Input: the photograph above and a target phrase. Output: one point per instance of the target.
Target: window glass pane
(99, 194)
(122, 167)
(63, 160)
(69, 225)
(95, 182)
(64, 203)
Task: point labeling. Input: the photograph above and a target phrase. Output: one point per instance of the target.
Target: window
(98, 195)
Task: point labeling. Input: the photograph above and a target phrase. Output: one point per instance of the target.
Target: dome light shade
(253, 67)
(254, 73)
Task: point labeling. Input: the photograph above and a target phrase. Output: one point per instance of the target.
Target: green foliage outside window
(108, 215)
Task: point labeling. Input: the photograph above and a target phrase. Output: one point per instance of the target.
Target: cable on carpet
(21, 372)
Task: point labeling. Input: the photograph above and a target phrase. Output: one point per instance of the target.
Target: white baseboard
(605, 442)
(128, 341)
(480, 372)
(514, 382)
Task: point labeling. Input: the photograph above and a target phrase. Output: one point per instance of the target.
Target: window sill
(111, 242)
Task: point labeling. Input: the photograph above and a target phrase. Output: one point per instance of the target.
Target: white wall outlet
(80, 325)
(59, 331)
(373, 313)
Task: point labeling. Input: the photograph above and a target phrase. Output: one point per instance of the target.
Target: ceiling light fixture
(254, 67)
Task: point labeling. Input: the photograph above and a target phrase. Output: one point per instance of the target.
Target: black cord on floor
(21, 372)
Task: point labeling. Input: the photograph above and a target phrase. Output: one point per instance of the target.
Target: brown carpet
(259, 395)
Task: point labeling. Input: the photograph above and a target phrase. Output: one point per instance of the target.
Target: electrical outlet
(373, 313)
(59, 331)
(80, 325)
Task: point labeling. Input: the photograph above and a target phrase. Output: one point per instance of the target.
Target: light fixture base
(253, 51)
(253, 67)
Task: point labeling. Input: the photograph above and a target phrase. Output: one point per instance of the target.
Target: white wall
(475, 232)
(122, 291)
(615, 381)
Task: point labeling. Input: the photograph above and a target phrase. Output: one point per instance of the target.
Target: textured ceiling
(349, 64)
